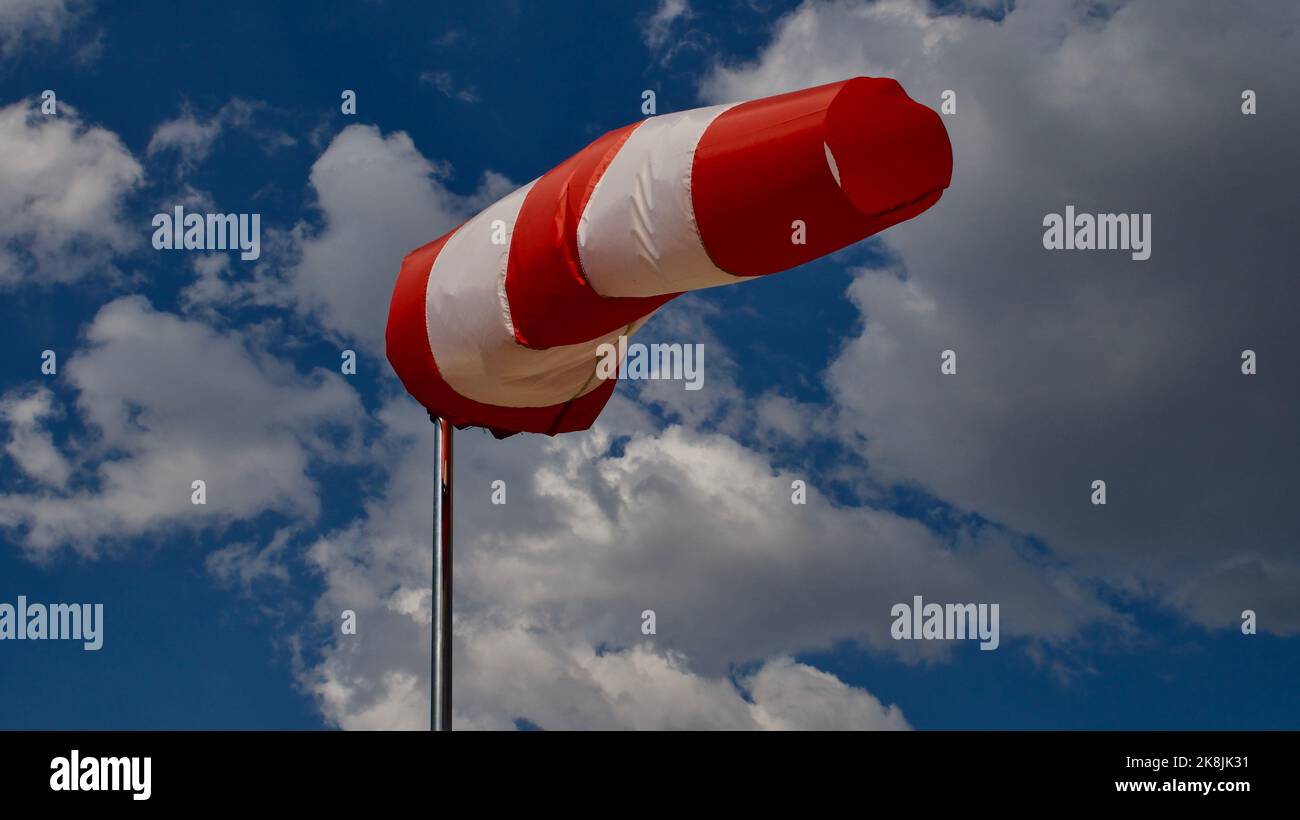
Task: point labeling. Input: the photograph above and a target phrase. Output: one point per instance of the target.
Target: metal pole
(442, 565)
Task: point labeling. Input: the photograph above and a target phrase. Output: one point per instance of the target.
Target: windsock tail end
(412, 359)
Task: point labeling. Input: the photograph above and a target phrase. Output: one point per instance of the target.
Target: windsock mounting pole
(441, 661)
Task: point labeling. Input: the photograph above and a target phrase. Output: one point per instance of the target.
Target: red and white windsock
(497, 323)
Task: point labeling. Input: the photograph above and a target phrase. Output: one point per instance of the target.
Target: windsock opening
(784, 180)
(889, 151)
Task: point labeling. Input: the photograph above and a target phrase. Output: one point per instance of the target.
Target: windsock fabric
(497, 324)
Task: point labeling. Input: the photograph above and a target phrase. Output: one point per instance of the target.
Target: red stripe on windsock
(408, 350)
(762, 165)
(551, 302)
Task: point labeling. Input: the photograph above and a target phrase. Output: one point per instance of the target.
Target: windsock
(497, 323)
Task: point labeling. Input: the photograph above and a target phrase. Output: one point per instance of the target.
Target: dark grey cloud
(1075, 366)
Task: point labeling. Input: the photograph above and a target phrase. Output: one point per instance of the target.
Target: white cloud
(62, 186)
(189, 135)
(659, 25)
(379, 199)
(447, 85)
(167, 401)
(691, 525)
(30, 445)
(245, 564)
(822, 43)
(667, 32)
(789, 695)
(27, 22)
(514, 672)
(192, 136)
(559, 684)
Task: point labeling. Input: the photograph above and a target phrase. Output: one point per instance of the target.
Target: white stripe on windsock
(638, 235)
(469, 328)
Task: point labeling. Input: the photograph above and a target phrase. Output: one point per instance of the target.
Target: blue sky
(1130, 623)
